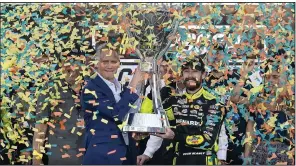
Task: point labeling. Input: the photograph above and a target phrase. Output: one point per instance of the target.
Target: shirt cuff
(149, 152)
(222, 154)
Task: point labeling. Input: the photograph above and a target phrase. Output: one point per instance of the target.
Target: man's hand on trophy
(141, 159)
(139, 136)
(169, 134)
(137, 78)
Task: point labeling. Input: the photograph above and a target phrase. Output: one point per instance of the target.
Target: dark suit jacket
(103, 138)
(61, 137)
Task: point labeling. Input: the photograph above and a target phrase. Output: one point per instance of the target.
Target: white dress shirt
(154, 142)
(115, 87)
(223, 144)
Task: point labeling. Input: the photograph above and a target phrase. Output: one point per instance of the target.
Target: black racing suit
(197, 122)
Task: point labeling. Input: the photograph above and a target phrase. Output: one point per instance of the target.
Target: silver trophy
(153, 44)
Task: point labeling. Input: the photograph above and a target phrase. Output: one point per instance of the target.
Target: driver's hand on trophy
(169, 134)
(223, 162)
(139, 136)
(141, 159)
(137, 78)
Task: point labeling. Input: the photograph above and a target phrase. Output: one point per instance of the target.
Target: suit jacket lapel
(104, 87)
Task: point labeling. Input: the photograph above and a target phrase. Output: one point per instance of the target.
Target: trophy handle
(164, 50)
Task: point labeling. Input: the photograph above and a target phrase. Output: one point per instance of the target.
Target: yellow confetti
(51, 132)
(110, 108)
(27, 144)
(38, 155)
(95, 104)
(73, 129)
(34, 129)
(92, 131)
(67, 115)
(48, 146)
(38, 140)
(94, 116)
(104, 121)
(87, 91)
(132, 106)
(24, 160)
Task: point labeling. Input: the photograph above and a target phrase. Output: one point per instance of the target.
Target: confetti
(79, 154)
(114, 136)
(73, 130)
(38, 155)
(54, 145)
(39, 140)
(34, 129)
(51, 132)
(82, 149)
(67, 115)
(13, 147)
(92, 131)
(87, 91)
(48, 146)
(112, 152)
(104, 121)
(88, 111)
(132, 106)
(66, 156)
(123, 158)
(66, 147)
(63, 127)
(50, 124)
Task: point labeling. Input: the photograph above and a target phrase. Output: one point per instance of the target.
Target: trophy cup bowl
(144, 123)
(157, 121)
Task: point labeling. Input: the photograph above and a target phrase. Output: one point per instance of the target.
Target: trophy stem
(157, 102)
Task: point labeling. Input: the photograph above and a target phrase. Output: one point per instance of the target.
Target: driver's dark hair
(195, 63)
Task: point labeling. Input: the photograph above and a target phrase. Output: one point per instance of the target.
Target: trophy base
(143, 123)
(138, 129)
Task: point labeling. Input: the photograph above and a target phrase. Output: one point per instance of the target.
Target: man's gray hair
(99, 48)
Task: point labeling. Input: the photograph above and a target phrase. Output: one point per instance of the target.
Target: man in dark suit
(105, 104)
(58, 137)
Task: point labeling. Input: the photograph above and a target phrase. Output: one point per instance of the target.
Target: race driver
(197, 119)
